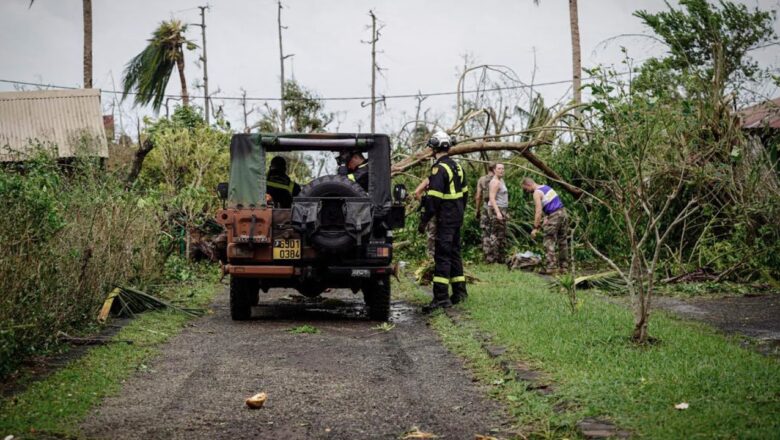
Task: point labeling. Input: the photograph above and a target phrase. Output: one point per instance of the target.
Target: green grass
(732, 392)
(305, 329)
(55, 405)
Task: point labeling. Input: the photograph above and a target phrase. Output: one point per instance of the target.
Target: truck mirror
(399, 193)
(222, 190)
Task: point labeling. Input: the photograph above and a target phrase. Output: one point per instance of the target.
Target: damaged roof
(763, 115)
(70, 120)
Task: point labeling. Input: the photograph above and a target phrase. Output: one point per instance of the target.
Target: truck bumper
(259, 271)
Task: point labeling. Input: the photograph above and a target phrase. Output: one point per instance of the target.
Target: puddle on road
(298, 306)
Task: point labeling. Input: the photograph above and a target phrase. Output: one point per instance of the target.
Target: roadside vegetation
(655, 170)
(596, 371)
(54, 406)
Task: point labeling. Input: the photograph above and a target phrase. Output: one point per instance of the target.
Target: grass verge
(598, 372)
(54, 406)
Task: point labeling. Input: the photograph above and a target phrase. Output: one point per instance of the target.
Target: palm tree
(86, 6)
(576, 56)
(87, 11)
(147, 74)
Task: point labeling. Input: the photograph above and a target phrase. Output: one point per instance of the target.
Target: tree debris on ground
(608, 280)
(126, 301)
(415, 433)
(424, 274)
(524, 260)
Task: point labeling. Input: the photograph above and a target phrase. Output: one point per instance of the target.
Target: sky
(422, 45)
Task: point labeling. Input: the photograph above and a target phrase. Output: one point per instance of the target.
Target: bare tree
(246, 112)
(643, 170)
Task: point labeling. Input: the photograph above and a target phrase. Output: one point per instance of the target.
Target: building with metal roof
(763, 115)
(66, 122)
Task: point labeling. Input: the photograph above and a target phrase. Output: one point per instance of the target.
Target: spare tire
(331, 236)
(332, 186)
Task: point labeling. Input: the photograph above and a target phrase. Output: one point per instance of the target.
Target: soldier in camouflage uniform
(430, 228)
(498, 204)
(555, 225)
(481, 207)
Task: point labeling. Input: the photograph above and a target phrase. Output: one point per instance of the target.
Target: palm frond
(147, 74)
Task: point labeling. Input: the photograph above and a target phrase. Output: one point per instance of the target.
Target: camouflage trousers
(493, 235)
(430, 231)
(556, 239)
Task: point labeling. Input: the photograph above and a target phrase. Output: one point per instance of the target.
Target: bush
(68, 234)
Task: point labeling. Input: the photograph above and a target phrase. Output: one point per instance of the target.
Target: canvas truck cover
(247, 173)
(248, 153)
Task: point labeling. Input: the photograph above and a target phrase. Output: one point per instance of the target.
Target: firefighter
(354, 166)
(279, 186)
(446, 202)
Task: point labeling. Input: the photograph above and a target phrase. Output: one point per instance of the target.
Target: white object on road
(257, 401)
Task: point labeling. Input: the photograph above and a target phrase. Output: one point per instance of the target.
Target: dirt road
(349, 381)
(754, 316)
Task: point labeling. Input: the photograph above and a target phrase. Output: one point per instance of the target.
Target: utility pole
(374, 38)
(282, 57)
(205, 63)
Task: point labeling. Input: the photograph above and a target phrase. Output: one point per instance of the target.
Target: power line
(333, 98)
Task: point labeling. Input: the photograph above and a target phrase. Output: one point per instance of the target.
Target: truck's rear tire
(244, 293)
(376, 294)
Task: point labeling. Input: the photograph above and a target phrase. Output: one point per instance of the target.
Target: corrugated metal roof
(763, 115)
(71, 120)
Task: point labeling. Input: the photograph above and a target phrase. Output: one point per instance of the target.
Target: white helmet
(441, 141)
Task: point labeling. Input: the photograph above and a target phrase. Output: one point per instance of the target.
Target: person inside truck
(354, 166)
(279, 186)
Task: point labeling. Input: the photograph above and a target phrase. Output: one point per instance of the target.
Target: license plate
(361, 273)
(287, 249)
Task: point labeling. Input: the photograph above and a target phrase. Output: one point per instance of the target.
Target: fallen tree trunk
(522, 148)
(549, 172)
(465, 148)
(143, 149)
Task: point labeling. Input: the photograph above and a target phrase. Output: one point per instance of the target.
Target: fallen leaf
(681, 406)
(415, 433)
(484, 437)
(257, 400)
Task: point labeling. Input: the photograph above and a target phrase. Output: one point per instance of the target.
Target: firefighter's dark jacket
(360, 175)
(282, 189)
(446, 193)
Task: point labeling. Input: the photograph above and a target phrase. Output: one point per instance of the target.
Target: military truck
(335, 235)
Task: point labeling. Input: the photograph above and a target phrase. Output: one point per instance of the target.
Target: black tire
(332, 186)
(332, 240)
(376, 294)
(244, 293)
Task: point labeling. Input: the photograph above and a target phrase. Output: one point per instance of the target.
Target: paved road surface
(350, 381)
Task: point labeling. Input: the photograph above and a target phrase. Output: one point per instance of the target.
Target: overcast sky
(422, 44)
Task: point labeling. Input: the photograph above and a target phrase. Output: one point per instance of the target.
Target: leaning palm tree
(147, 74)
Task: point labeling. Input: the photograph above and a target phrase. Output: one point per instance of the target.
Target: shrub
(68, 234)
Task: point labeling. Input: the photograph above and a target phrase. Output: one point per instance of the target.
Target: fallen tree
(544, 134)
